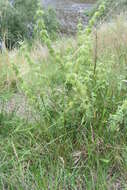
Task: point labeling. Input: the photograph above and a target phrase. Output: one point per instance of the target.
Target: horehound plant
(78, 77)
(40, 31)
(31, 82)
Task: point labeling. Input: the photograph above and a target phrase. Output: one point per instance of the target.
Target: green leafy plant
(15, 19)
(75, 135)
(51, 22)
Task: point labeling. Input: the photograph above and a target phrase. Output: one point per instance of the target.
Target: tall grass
(76, 136)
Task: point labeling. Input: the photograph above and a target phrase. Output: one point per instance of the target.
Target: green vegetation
(17, 20)
(51, 23)
(112, 8)
(70, 130)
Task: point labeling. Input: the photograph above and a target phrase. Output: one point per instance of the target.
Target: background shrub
(17, 19)
(51, 22)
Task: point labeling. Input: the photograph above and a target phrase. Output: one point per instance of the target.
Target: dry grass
(38, 54)
(113, 35)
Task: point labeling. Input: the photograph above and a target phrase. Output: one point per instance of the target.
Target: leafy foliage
(51, 22)
(112, 8)
(17, 20)
(76, 135)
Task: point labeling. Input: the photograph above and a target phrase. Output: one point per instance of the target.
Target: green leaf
(105, 160)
